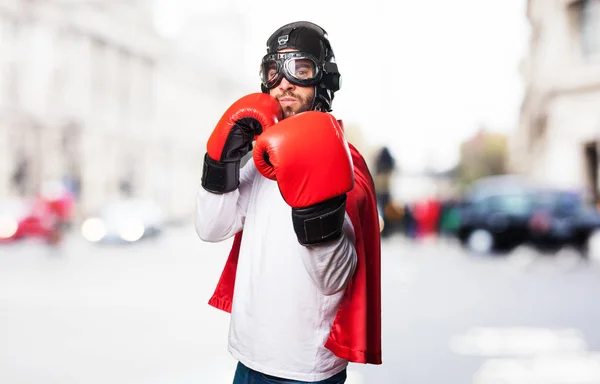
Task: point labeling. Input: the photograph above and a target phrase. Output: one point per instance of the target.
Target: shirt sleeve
(332, 265)
(220, 216)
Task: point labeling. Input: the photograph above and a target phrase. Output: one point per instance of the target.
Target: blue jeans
(245, 375)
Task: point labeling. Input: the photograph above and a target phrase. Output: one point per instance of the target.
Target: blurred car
(495, 213)
(125, 221)
(502, 212)
(496, 219)
(561, 218)
(60, 200)
(27, 218)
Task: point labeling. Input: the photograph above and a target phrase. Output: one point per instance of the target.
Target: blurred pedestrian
(385, 164)
(449, 218)
(409, 224)
(302, 283)
(59, 203)
(426, 213)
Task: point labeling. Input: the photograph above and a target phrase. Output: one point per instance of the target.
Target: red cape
(356, 331)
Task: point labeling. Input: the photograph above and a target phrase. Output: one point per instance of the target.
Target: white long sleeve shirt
(286, 295)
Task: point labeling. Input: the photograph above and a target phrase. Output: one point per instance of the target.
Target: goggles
(297, 67)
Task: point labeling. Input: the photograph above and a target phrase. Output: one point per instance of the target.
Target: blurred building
(557, 141)
(91, 95)
(355, 135)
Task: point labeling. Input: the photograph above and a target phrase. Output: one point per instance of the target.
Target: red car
(31, 218)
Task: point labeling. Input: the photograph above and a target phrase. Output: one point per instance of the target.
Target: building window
(124, 83)
(9, 84)
(590, 27)
(12, 87)
(99, 74)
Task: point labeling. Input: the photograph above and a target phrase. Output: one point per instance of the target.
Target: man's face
(293, 98)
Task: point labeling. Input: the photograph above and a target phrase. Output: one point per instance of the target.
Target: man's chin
(290, 111)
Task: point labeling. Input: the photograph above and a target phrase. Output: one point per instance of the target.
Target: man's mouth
(287, 101)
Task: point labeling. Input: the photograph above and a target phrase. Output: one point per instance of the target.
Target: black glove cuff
(219, 177)
(320, 223)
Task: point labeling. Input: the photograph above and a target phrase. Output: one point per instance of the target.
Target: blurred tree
(484, 154)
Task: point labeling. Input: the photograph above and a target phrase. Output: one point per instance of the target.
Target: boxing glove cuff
(320, 223)
(220, 177)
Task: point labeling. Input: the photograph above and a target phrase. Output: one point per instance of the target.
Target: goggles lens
(297, 67)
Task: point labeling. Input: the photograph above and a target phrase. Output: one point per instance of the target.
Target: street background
(88, 314)
(478, 119)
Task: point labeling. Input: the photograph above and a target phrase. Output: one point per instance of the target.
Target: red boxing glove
(232, 139)
(309, 157)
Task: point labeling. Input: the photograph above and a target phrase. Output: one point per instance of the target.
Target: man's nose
(285, 84)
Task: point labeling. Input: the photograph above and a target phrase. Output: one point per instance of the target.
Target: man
(302, 279)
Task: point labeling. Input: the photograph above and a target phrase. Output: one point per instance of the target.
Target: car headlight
(8, 227)
(132, 230)
(93, 230)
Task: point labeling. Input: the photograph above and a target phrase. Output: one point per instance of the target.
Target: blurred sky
(420, 76)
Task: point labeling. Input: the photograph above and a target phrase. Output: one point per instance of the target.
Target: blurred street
(138, 314)
(108, 109)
